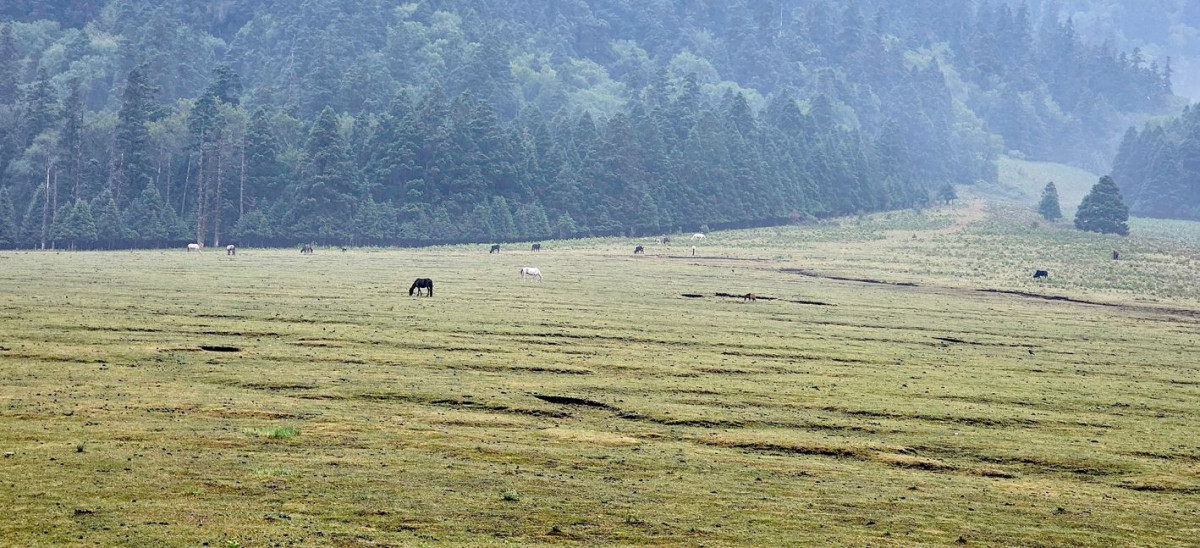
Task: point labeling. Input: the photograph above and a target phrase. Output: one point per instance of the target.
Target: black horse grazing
(419, 284)
(535, 247)
(1041, 274)
(307, 249)
(495, 249)
(639, 249)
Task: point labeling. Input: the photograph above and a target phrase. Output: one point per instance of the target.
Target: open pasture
(601, 406)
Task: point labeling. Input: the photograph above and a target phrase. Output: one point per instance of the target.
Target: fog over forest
(149, 123)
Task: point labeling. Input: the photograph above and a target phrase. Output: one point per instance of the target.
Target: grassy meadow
(900, 381)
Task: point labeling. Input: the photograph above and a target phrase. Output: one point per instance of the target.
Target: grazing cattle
(535, 247)
(231, 249)
(343, 248)
(531, 272)
(1115, 255)
(697, 236)
(306, 249)
(664, 240)
(749, 297)
(419, 284)
(495, 249)
(639, 249)
(1041, 274)
(193, 247)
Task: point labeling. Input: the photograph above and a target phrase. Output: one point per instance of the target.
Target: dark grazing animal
(307, 249)
(495, 249)
(535, 247)
(749, 297)
(639, 249)
(419, 284)
(665, 240)
(1115, 255)
(1041, 274)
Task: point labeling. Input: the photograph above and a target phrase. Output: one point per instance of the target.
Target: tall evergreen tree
(10, 65)
(109, 226)
(325, 196)
(8, 221)
(1103, 210)
(1048, 207)
(133, 166)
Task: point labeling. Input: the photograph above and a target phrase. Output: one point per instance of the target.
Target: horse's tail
(412, 288)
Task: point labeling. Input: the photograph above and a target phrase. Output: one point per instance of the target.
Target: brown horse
(749, 297)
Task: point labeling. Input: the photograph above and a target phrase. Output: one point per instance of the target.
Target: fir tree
(8, 222)
(1048, 207)
(109, 227)
(1103, 210)
(132, 164)
(9, 66)
(325, 200)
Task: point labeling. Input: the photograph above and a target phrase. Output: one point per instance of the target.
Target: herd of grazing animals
(427, 284)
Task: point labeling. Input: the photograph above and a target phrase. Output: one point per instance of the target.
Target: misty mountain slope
(456, 120)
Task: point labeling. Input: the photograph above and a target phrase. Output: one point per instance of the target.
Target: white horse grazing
(531, 272)
(697, 236)
(231, 249)
(193, 247)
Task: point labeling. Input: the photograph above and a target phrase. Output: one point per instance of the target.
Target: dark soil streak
(845, 279)
(1044, 297)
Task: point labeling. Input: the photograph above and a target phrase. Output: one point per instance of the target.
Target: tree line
(132, 122)
(1158, 167)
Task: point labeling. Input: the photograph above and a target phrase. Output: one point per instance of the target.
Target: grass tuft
(275, 432)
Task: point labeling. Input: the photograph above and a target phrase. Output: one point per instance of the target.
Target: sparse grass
(616, 411)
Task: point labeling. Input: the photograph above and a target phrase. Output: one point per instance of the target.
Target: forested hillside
(1157, 29)
(1158, 168)
(148, 122)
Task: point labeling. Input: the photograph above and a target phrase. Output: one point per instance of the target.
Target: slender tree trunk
(170, 163)
(220, 204)
(187, 177)
(115, 179)
(46, 204)
(200, 195)
(78, 183)
(242, 183)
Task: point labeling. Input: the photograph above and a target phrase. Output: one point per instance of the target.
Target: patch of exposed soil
(570, 400)
(219, 348)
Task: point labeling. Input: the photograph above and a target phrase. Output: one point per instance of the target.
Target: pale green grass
(1022, 182)
(600, 407)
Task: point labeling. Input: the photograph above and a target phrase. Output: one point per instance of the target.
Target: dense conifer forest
(1158, 168)
(149, 122)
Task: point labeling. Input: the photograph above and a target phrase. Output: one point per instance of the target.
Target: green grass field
(934, 394)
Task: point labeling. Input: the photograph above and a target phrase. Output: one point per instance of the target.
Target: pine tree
(85, 224)
(1103, 210)
(155, 222)
(132, 163)
(109, 226)
(325, 200)
(1048, 207)
(8, 222)
(10, 64)
(40, 105)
